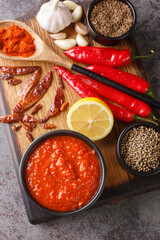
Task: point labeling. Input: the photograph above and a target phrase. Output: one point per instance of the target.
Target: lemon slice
(91, 117)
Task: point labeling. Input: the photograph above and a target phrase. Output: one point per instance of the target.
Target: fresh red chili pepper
(102, 56)
(83, 91)
(19, 70)
(138, 107)
(12, 118)
(32, 82)
(56, 105)
(34, 95)
(127, 79)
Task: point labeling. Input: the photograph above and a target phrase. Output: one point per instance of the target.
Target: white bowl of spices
(110, 21)
(138, 148)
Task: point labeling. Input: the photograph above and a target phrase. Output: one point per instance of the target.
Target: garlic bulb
(54, 16)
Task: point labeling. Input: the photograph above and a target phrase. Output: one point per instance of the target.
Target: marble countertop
(132, 219)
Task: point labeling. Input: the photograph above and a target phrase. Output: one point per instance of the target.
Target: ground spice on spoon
(16, 41)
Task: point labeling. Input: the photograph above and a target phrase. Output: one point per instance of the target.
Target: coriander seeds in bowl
(138, 148)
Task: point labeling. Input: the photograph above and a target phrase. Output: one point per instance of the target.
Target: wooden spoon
(44, 53)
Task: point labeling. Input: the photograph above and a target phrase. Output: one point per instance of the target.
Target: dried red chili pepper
(17, 118)
(56, 105)
(14, 81)
(36, 108)
(84, 91)
(102, 56)
(48, 126)
(26, 127)
(32, 82)
(29, 136)
(5, 76)
(60, 82)
(19, 70)
(16, 128)
(138, 107)
(34, 95)
(127, 79)
(64, 106)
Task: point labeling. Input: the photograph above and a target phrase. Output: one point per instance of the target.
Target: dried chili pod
(14, 81)
(34, 95)
(5, 76)
(32, 82)
(17, 118)
(56, 105)
(29, 136)
(36, 108)
(19, 70)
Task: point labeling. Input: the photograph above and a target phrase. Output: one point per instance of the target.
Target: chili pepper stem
(133, 57)
(136, 118)
(156, 119)
(150, 93)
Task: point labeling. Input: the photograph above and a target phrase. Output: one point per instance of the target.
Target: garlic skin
(54, 16)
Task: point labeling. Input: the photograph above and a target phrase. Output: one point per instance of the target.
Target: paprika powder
(16, 41)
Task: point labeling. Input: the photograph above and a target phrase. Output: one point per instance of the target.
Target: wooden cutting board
(119, 183)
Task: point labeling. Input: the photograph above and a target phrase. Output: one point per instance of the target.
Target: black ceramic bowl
(35, 143)
(108, 40)
(119, 142)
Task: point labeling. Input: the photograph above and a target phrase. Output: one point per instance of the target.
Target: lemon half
(91, 117)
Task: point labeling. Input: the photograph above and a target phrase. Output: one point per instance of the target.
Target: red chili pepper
(56, 105)
(83, 91)
(14, 81)
(102, 56)
(32, 82)
(138, 107)
(12, 118)
(19, 70)
(127, 79)
(34, 95)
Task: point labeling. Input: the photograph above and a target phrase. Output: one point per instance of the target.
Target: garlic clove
(81, 28)
(71, 5)
(77, 14)
(58, 36)
(66, 44)
(81, 41)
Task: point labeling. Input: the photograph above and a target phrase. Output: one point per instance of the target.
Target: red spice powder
(16, 41)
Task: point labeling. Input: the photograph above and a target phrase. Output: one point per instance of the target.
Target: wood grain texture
(119, 183)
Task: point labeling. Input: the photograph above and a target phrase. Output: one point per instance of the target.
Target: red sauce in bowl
(62, 173)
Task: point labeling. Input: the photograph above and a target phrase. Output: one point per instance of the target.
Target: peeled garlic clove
(71, 5)
(58, 36)
(81, 41)
(66, 43)
(81, 28)
(77, 14)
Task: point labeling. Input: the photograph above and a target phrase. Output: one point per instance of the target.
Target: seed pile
(111, 18)
(140, 149)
